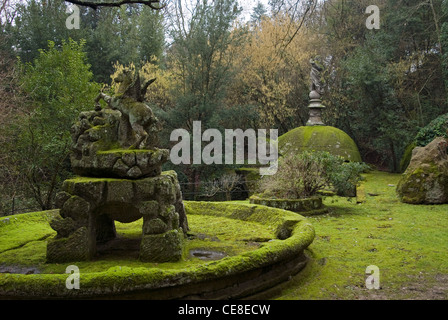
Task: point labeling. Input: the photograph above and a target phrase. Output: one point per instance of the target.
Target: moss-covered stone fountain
(115, 154)
(123, 223)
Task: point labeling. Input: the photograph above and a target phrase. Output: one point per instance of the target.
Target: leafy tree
(200, 59)
(275, 72)
(36, 23)
(58, 86)
(103, 42)
(152, 35)
(11, 109)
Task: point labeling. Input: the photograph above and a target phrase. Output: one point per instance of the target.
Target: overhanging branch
(153, 4)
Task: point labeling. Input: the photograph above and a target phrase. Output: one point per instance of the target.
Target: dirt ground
(422, 287)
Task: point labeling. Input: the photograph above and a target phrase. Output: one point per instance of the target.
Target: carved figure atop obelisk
(316, 90)
(315, 75)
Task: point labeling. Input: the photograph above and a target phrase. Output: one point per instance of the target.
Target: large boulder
(425, 180)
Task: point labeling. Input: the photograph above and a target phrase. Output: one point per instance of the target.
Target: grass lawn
(408, 243)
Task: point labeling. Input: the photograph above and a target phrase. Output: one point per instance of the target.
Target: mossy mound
(240, 273)
(319, 138)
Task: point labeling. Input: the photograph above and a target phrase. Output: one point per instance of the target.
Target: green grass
(23, 242)
(408, 243)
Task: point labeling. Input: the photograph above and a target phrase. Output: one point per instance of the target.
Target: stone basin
(242, 275)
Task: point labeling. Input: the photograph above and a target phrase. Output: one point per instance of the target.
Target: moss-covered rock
(162, 247)
(319, 138)
(425, 180)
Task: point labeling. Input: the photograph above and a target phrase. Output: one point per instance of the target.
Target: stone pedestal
(89, 207)
(121, 163)
(316, 108)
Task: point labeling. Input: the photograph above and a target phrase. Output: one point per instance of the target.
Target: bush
(303, 175)
(436, 128)
(345, 176)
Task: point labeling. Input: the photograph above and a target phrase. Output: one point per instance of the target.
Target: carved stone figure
(316, 79)
(316, 90)
(129, 101)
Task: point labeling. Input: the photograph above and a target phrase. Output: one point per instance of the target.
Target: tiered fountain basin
(233, 250)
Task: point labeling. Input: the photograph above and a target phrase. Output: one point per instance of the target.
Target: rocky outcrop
(425, 180)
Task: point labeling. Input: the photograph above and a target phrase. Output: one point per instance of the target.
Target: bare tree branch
(110, 3)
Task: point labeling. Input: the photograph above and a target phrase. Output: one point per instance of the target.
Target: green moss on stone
(426, 184)
(119, 280)
(319, 138)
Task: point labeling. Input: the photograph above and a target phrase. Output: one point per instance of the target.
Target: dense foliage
(436, 128)
(57, 86)
(227, 69)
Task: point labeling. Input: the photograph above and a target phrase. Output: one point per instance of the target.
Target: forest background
(216, 65)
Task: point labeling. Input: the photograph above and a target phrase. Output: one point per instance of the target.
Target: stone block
(165, 247)
(77, 247)
(76, 208)
(120, 191)
(425, 180)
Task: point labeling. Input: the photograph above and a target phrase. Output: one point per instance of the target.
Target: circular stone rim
(286, 204)
(228, 278)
